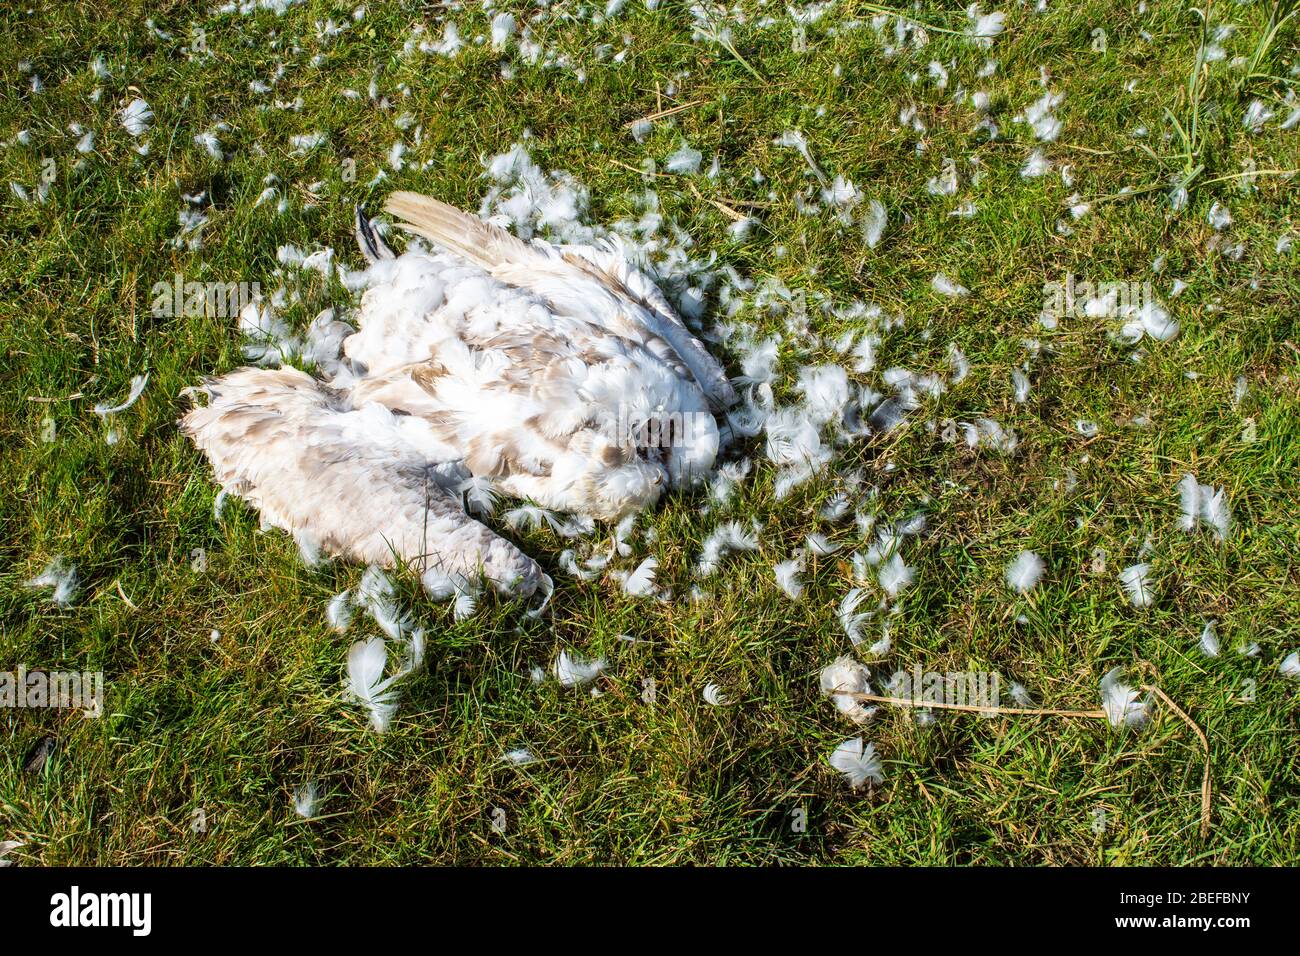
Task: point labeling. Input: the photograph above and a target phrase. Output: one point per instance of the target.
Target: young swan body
(555, 373)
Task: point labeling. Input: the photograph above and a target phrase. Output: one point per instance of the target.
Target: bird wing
(345, 478)
(599, 285)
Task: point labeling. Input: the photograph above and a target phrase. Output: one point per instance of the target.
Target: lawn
(1152, 144)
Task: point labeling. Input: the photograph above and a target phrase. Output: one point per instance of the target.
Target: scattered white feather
(136, 117)
(726, 539)
(1290, 665)
(874, 220)
(305, 800)
(641, 582)
(465, 604)
(850, 618)
(304, 143)
(795, 140)
(61, 577)
(208, 140)
(1257, 114)
(821, 546)
(685, 160)
(367, 661)
(138, 382)
(1036, 165)
(945, 286)
(1122, 704)
(1136, 579)
(857, 762)
(1020, 385)
(1209, 643)
(339, 611)
(946, 183)
(713, 695)
(787, 577)
(1040, 118)
(1203, 503)
(574, 671)
(843, 678)
(825, 390)
(1024, 573)
(959, 363)
(836, 508)
(984, 27)
(895, 575)
(503, 28)
(519, 757)
(1219, 217)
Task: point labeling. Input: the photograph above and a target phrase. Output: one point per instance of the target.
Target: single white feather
(947, 287)
(857, 762)
(367, 661)
(1020, 694)
(843, 678)
(138, 382)
(1136, 579)
(465, 605)
(850, 620)
(339, 611)
(685, 160)
(1189, 492)
(1290, 665)
(574, 671)
(895, 575)
(874, 221)
(1024, 573)
(136, 117)
(787, 576)
(305, 800)
(821, 546)
(641, 582)
(1035, 166)
(1122, 704)
(1205, 503)
(1020, 385)
(727, 538)
(61, 577)
(1209, 642)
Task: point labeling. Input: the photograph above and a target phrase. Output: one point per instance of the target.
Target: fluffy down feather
(858, 762)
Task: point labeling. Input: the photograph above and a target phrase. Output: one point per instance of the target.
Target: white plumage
(858, 762)
(494, 365)
(841, 680)
(1123, 706)
(574, 671)
(1024, 573)
(367, 684)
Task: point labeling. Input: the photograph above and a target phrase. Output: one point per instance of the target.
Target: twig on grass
(1206, 786)
(972, 708)
(1205, 743)
(660, 114)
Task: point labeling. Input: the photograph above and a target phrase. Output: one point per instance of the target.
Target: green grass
(233, 726)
